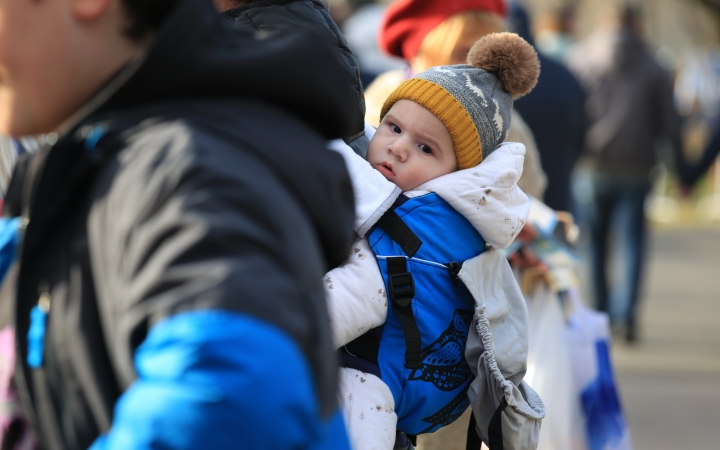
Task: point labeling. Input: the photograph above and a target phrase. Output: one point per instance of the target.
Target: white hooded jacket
(487, 195)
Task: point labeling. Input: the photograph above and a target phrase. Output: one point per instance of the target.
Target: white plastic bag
(588, 339)
(550, 373)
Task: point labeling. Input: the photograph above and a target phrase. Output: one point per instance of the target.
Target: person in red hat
(408, 22)
(429, 33)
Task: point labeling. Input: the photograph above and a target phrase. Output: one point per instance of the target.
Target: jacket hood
(269, 16)
(488, 195)
(197, 54)
(267, 96)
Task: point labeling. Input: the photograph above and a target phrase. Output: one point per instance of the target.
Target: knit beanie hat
(406, 23)
(474, 101)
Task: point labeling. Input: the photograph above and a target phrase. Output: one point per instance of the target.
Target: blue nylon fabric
(9, 243)
(10, 238)
(36, 337)
(220, 380)
(427, 399)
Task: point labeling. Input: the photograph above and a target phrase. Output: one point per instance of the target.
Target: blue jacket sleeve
(220, 380)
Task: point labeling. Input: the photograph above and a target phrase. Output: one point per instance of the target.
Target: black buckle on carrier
(402, 288)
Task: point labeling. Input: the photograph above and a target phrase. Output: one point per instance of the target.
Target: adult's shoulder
(267, 16)
(233, 148)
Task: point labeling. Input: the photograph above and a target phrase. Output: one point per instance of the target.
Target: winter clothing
(629, 105)
(358, 300)
(360, 272)
(267, 16)
(474, 101)
(177, 240)
(373, 193)
(533, 180)
(427, 374)
(407, 22)
(554, 111)
(8, 156)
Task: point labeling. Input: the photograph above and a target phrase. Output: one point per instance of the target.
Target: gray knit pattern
(482, 95)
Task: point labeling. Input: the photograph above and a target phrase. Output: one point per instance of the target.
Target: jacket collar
(197, 54)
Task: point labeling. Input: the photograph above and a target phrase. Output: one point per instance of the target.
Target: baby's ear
(506, 179)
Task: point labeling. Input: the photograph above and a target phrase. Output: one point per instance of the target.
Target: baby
(440, 143)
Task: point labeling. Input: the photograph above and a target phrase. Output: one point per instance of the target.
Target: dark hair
(146, 15)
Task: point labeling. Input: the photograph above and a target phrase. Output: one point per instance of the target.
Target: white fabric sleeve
(369, 410)
(355, 292)
(373, 193)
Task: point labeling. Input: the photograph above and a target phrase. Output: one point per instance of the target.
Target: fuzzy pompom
(510, 58)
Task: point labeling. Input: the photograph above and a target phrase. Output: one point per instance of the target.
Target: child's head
(452, 117)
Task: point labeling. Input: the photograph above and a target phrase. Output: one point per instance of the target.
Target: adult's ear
(89, 10)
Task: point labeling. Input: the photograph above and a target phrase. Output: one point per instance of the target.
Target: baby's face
(411, 146)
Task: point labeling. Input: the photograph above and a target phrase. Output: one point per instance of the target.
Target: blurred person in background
(429, 33)
(629, 107)
(557, 37)
(269, 16)
(175, 226)
(554, 111)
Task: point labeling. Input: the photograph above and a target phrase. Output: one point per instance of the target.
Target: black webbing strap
(495, 435)
(401, 291)
(412, 438)
(399, 232)
(494, 431)
(367, 347)
(473, 440)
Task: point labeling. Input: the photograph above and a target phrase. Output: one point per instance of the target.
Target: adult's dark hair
(145, 16)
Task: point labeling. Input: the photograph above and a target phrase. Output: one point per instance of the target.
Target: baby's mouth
(385, 169)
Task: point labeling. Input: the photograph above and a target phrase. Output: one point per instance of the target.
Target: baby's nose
(399, 150)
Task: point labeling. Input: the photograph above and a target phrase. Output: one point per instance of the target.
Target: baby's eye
(395, 129)
(426, 149)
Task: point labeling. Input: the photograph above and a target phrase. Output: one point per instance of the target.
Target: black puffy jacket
(195, 185)
(273, 15)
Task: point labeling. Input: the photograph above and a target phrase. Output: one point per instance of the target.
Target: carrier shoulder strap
(399, 232)
(401, 290)
(401, 287)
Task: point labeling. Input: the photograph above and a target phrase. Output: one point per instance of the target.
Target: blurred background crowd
(622, 135)
(625, 129)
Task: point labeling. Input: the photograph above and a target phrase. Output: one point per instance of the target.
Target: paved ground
(670, 381)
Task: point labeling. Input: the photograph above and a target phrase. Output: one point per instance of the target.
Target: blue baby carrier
(420, 246)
